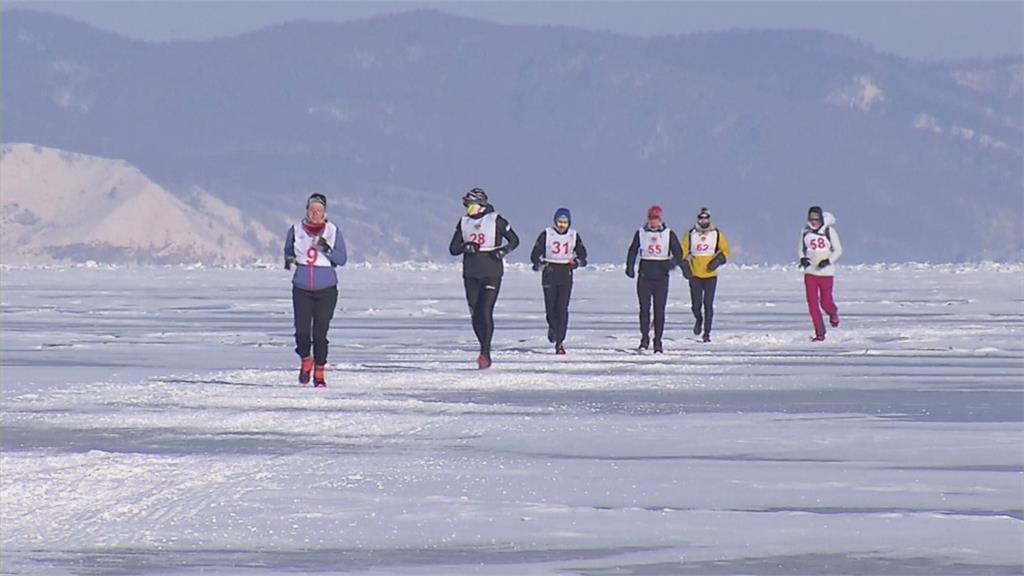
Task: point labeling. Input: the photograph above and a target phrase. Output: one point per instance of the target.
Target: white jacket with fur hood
(817, 245)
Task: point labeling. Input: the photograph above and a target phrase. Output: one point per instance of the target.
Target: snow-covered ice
(151, 424)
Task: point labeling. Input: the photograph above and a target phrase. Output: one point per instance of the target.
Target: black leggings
(482, 294)
(556, 304)
(656, 289)
(702, 292)
(313, 312)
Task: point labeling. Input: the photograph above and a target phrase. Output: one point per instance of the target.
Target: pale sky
(929, 30)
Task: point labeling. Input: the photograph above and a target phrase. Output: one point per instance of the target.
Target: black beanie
(317, 197)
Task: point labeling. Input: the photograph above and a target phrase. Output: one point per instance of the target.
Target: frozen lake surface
(151, 424)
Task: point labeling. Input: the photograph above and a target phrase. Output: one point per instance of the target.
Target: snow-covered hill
(61, 206)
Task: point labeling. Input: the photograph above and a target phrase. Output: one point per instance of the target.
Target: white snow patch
(927, 122)
(861, 93)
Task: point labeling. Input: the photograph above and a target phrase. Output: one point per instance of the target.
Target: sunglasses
(703, 218)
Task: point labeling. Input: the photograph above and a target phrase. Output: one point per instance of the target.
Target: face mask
(474, 209)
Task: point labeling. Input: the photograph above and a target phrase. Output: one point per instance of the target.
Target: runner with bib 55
(658, 249)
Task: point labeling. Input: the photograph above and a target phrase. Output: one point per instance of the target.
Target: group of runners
(315, 246)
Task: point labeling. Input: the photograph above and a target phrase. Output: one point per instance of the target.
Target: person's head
(316, 208)
(815, 217)
(654, 216)
(704, 218)
(563, 219)
(475, 201)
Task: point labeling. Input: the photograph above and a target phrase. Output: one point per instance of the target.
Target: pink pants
(819, 296)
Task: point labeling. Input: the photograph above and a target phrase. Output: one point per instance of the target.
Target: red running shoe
(560, 350)
(318, 377)
(305, 370)
(483, 361)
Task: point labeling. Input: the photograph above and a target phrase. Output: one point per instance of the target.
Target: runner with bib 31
(558, 251)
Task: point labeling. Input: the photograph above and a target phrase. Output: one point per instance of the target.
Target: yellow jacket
(700, 246)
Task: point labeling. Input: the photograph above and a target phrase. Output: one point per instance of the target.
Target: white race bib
(815, 243)
(481, 231)
(306, 251)
(655, 245)
(559, 248)
(703, 243)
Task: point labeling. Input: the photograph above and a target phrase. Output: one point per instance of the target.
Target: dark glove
(573, 264)
(630, 272)
(581, 262)
(322, 244)
(500, 253)
(715, 262)
(805, 262)
(470, 247)
(537, 266)
(288, 261)
(824, 263)
(687, 269)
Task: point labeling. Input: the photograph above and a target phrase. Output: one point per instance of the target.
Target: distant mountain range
(395, 117)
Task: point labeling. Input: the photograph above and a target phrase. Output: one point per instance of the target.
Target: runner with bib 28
(558, 251)
(658, 249)
(484, 238)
